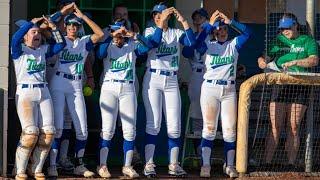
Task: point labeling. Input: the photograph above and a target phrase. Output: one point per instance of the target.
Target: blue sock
(56, 143)
(173, 149)
(150, 147)
(128, 147)
(206, 148)
(229, 152)
(104, 146)
(79, 151)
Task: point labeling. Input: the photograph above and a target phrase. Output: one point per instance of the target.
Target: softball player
(160, 85)
(67, 84)
(199, 17)
(118, 94)
(218, 92)
(33, 100)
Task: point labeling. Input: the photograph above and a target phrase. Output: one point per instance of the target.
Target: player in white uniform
(67, 84)
(161, 88)
(119, 56)
(33, 100)
(218, 92)
(199, 17)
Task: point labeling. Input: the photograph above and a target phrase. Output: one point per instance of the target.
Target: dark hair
(302, 29)
(117, 6)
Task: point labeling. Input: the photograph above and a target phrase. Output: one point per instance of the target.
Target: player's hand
(67, 9)
(166, 13)
(36, 20)
(178, 15)
(77, 12)
(49, 23)
(224, 18)
(262, 63)
(286, 65)
(119, 32)
(129, 34)
(90, 82)
(135, 28)
(214, 17)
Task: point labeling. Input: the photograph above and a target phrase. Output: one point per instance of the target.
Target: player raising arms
(218, 92)
(119, 53)
(33, 100)
(160, 85)
(67, 84)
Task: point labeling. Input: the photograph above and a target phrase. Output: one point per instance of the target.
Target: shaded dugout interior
(139, 12)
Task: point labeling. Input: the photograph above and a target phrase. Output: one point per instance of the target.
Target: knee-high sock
(206, 146)
(79, 151)
(229, 152)
(173, 151)
(104, 151)
(65, 138)
(150, 147)
(54, 151)
(128, 147)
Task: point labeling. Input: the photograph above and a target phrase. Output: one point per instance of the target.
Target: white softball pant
(69, 91)
(217, 99)
(194, 90)
(162, 92)
(118, 97)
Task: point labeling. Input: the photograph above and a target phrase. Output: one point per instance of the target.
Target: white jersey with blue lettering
(197, 62)
(30, 67)
(167, 55)
(221, 60)
(73, 56)
(120, 62)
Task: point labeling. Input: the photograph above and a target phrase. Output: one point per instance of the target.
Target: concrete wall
(4, 74)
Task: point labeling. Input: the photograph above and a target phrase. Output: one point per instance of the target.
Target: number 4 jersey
(167, 55)
(73, 56)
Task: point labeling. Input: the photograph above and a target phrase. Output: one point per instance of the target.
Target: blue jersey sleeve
(102, 50)
(142, 48)
(155, 39)
(188, 38)
(16, 42)
(245, 33)
(56, 46)
(56, 17)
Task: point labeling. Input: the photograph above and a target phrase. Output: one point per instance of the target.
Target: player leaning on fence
(294, 52)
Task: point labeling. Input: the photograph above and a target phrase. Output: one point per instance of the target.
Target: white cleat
(103, 172)
(128, 171)
(66, 164)
(230, 171)
(39, 176)
(176, 170)
(81, 170)
(149, 170)
(52, 171)
(205, 171)
(21, 176)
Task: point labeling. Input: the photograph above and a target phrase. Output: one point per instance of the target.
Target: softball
(87, 91)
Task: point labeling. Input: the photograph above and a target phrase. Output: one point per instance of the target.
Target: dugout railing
(309, 137)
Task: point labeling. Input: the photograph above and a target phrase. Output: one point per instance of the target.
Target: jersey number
(232, 70)
(79, 68)
(175, 61)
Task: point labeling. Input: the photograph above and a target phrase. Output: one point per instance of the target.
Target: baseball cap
(218, 23)
(72, 18)
(117, 25)
(22, 22)
(202, 12)
(286, 23)
(159, 8)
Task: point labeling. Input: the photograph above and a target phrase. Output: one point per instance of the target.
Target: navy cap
(159, 8)
(117, 25)
(72, 18)
(65, 1)
(218, 23)
(202, 12)
(286, 23)
(22, 22)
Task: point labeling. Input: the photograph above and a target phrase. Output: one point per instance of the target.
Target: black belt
(220, 82)
(165, 73)
(120, 81)
(34, 85)
(69, 76)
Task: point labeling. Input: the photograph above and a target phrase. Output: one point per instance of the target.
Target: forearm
(307, 62)
(98, 33)
(185, 24)
(88, 68)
